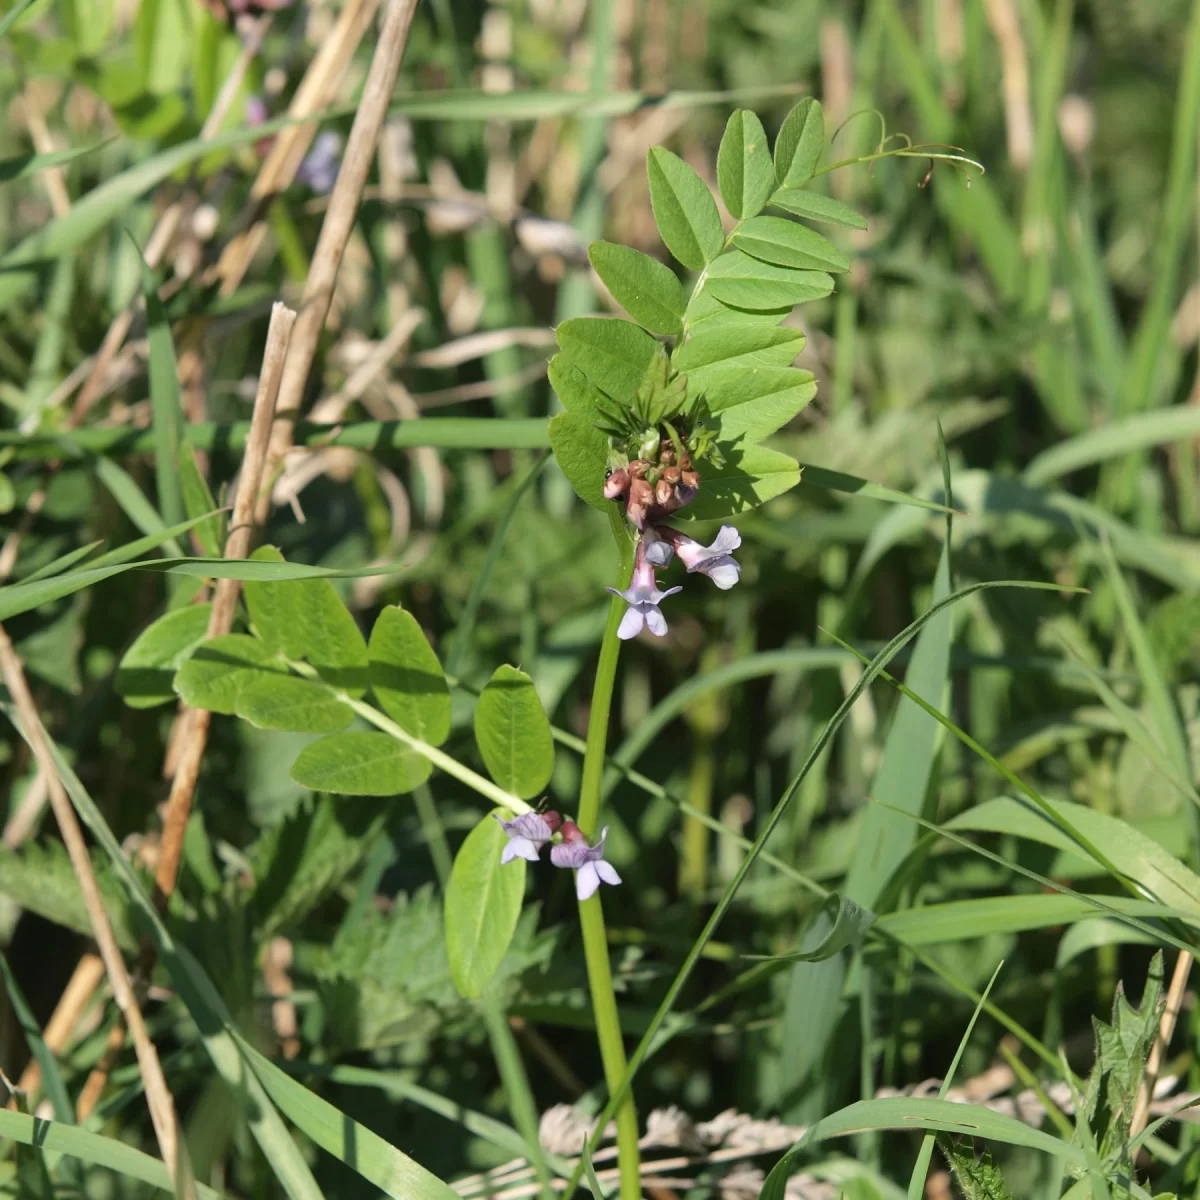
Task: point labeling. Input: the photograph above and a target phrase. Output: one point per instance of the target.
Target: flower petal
(631, 625)
(570, 854)
(606, 872)
(587, 880)
(724, 573)
(727, 540)
(656, 622)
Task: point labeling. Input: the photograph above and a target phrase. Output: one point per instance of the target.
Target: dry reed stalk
(168, 223)
(1018, 114)
(225, 595)
(317, 91)
(84, 981)
(158, 1096)
(53, 178)
(337, 226)
(1166, 1027)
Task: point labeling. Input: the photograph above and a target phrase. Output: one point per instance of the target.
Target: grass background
(1045, 312)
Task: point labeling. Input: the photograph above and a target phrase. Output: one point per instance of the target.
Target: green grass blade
(52, 1079)
(441, 433)
(133, 503)
(1150, 339)
(166, 411)
(466, 623)
(24, 165)
(916, 1184)
(1141, 432)
(377, 1161)
(839, 481)
(873, 670)
(202, 1001)
(56, 1137)
(14, 15)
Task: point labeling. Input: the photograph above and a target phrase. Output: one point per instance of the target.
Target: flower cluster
(656, 547)
(528, 833)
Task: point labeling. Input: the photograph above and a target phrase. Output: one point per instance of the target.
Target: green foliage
(800, 143)
(684, 210)
(360, 764)
(646, 289)
(219, 668)
(513, 733)
(483, 903)
(744, 170)
(978, 1177)
(406, 677)
(148, 667)
(198, 501)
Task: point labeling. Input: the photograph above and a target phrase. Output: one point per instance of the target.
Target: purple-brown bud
(617, 484)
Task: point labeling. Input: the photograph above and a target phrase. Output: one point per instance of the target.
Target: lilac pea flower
(320, 168)
(659, 551)
(643, 598)
(527, 834)
(715, 561)
(586, 861)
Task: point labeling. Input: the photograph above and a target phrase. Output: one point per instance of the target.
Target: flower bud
(616, 485)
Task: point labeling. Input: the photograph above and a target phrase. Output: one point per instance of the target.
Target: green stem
(591, 913)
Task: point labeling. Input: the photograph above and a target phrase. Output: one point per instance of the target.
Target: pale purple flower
(320, 168)
(659, 551)
(527, 834)
(256, 110)
(715, 561)
(586, 861)
(643, 598)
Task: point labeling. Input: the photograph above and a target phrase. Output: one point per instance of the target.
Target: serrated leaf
(483, 904)
(199, 503)
(219, 668)
(788, 244)
(581, 451)
(513, 733)
(407, 677)
(303, 859)
(360, 763)
(800, 143)
(305, 619)
(684, 210)
(613, 354)
(646, 289)
(146, 674)
(751, 476)
(42, 879)
(744, 282)
(744, 171)
(288, 703)
(979, 1178)
(815, 207)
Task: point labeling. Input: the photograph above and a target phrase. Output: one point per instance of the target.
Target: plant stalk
(591, 913)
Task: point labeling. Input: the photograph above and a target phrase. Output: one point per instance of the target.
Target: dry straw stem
(158, 1097)
(1018, 115)
(168, 222)
(1166, 1027)
(316, 92)
(57, 1034)
(338, 224)
(237, 545)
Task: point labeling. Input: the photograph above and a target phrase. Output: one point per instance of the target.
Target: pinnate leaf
(646, 289)
(789, 244)
(286, 702)
(613, 354)
(815, 207)
(219, 668)
(148, 667)
(800, 143)
(407, 678)
(751, 476)
(744, 172)
(360, 763)
(304, 618)
(581, 451)
(513, 733)
(684, 210)
(483, 903)
(745, 282)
